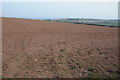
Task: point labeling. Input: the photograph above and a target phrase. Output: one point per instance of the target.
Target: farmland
(50, 49)
(98, 22)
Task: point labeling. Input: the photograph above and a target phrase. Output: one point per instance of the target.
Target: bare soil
(46, 49)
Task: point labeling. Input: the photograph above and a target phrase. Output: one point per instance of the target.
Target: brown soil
(46, 49)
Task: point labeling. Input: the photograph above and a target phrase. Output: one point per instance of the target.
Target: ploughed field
(46, 49)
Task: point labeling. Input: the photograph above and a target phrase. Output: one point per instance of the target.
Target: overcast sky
(60, 0)
(101, 10)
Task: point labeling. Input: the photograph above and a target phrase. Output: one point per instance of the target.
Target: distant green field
(99, 22)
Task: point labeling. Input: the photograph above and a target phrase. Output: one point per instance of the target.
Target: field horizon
(86, 21)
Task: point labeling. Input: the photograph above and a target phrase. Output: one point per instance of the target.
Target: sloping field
(46, 49)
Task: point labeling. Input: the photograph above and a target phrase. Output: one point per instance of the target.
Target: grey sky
(102, 10)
